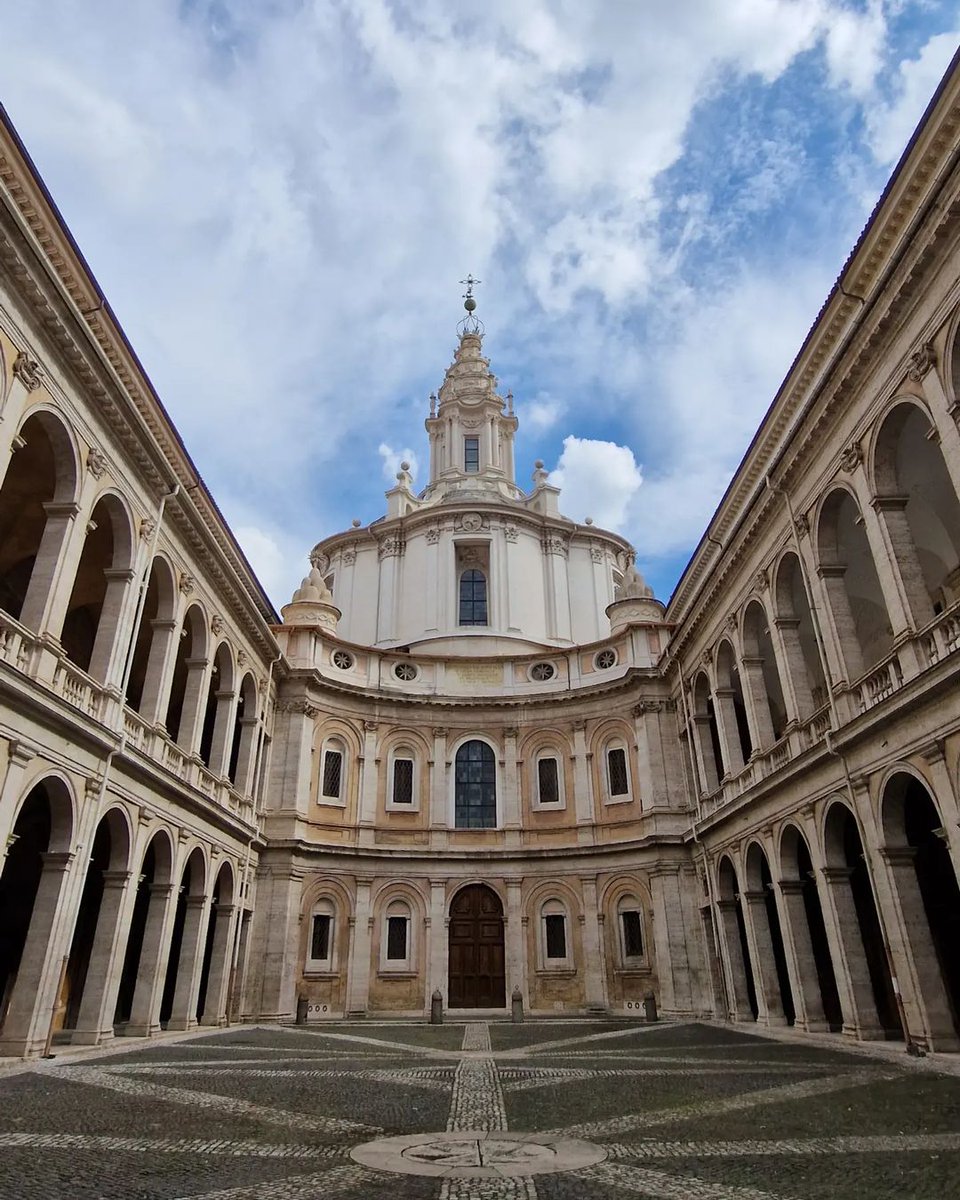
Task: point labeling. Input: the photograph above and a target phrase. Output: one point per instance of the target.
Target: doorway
(477, 977)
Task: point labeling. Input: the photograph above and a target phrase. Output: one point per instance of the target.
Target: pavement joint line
(153, 1145)
(338, 1182)
(476, 1036)
(717, 1107)
(753, 1148)
(607, 1035)
(437, 1078)
(660, 1186)
(560, 1077)
(227, 1104)
(488, 1189)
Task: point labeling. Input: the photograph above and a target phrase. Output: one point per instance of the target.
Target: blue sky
(280, 198)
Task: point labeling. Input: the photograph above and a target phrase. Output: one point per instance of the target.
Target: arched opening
(138, 924)
(154, 635)
(795, 622)
(244, 740)
(742, 987)
(30, 885)
(763, 676)
(768, 936)
(95, 933)
(866, 955)
(142, 979)
(473, 597)
(737, 743)
(178, 1003)
(188, 672)
(706, 736)
(218, 722)
(211, 994)
(475, 786)
(100, 585)
(928, 894)
(36, 507)
(799, 887)
(918, 503)
(852, 585)
(477, 969)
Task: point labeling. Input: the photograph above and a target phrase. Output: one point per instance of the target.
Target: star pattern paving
(686, 1111)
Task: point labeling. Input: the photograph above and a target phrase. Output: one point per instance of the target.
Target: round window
(342, 660)
(605, 659)
(542, 671)
(405, 671)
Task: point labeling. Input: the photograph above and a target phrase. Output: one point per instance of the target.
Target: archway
(818, 980)
(929, 897)
(768, 937)
(477, 968)
(737, 743)
(762, 676)
(795, 622)
(707, 737)
(178, 1006)
(743, 989)
(144, 971)
(154, 636)
(189, 670)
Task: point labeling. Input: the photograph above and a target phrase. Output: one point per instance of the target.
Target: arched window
(473, 597)
(320, 937)
(475, 783)
(618, 772)
(630, 928)
(333, 772)
(554, 937)
(548, 780)
(396, 938)
(402, 780)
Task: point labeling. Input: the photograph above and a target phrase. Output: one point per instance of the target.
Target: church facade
(474, 757)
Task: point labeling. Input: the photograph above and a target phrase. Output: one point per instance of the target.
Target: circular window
(542, 671)
(605, 659)
(342, 660)
(405, 671)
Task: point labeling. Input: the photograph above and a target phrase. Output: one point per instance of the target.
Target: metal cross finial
(469, 284)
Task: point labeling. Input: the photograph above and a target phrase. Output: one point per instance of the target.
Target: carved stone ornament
(148, 527)
(471, 423)
(320, 561)
(762, 581)
(241, 658)
(596, 553)
(390, 547)
(922, 360)
(96, 462)
(803, 524)
(301, 707)
(217, 625)
(187, 584)
(732, 622)
(433, 536)
(554, 544)
(471, 522)
(27, 370)
(852, 457)
(348, 558)
(511, 533)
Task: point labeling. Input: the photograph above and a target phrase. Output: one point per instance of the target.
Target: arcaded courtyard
(549, 1110)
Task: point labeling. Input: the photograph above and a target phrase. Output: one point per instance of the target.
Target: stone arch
(771, 957)
(37, 508)
(852, 584)
(706, 735)
(246, 722)
(734, 728)
(216, 732)
(762, 675)
(798, 634)
(179, 1000)
(183, 707)
(154, 639)
(918, 504)
(740, 974)
(211, 1002)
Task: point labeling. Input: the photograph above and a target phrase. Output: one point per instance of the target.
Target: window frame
(469, 441)
(322, 907)
(484, 575)
(397, 908)
(540, 804)
(497, 784)
(555, 907)
(403, 753)
(631, 903)
(333, 745)
(609, 797)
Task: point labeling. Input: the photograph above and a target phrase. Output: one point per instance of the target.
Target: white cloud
(890, 125)
(598, 480)
(277, 569)
(542, 413)
(392, 460)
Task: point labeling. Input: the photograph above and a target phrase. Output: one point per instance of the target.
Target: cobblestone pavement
(679, 1111)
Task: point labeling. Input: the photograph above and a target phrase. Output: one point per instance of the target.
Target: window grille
(548, 781)
(617, 772)
(403, 781)
(475, 783)
(473, 597)
(471, 455)
(332, 774)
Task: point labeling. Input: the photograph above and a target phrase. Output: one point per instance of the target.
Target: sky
(279, 200)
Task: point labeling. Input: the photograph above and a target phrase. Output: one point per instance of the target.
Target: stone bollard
(302, 1010)
(436, 1008)
(650, 1007)
(516, 1006)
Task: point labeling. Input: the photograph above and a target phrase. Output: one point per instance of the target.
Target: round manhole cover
(477, 1154)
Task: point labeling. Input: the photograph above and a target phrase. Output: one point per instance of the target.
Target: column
(276, 950)
(726, 716)
(734, 965)
(801, 962)
(99, 1002)
(891, 585)
(19, 757)
(769, 1001)
(105, 664)
(795, 678)
(511, 783)
(152, 969)
(582, 790)
(595, 991)
(184, 1012)
(841, 617)
(849, 958)
(222, 741)
(34, 994)
(358, 986)
(160, 662)
(369, 770)
(194, 703)
(901, 558)
(215, 1003)
(437, 971)
(755, 697)
(706, 759)
(438, 780)
(945, 417)
(249, 727)
(515, 937)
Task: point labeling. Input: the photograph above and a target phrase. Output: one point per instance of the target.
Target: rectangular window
(471, 455)
(320, 938)
(396, 939)
(555, 927)
(403, 781)
(617, 772)
(632, 935)
(332, 774)
(548, 781)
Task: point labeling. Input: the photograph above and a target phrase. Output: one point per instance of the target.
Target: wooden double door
(477, 976)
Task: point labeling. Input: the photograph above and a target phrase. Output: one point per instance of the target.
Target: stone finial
(312, 604)
(633, 586)
(540, 476)
(404, 478)
(633, 602)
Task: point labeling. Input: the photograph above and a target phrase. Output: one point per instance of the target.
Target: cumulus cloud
(597, 479)
(392, 459)
(541, 413)
(890, 125)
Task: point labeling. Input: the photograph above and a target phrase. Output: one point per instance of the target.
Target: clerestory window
(473, 597)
